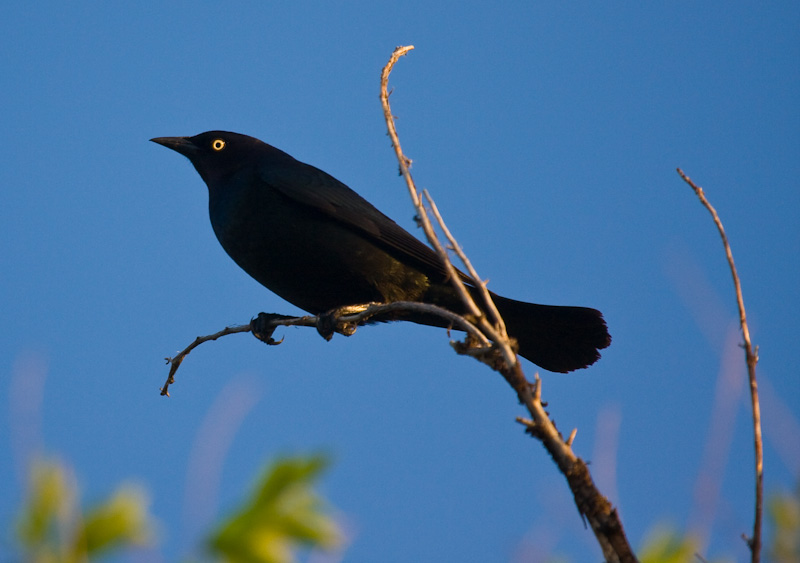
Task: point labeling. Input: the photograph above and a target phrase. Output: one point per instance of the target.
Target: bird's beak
(183, 145)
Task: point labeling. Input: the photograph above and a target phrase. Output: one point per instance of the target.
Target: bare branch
(480, 284)
(175, 362)
(592, 505)
(496, 329)
(500, 338)
(343, 321)
(751, 357)
(405, 163)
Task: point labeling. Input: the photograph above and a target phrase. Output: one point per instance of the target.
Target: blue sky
(549, 137)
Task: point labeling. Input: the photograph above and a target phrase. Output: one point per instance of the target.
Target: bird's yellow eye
(217, 144)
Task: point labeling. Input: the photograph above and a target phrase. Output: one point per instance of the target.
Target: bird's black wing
(312, 187)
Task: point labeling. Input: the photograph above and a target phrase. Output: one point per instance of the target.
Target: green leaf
(49, 505)
(283, 514)
(784, 512)
(121, 521)
(52, 529)
(665, 545)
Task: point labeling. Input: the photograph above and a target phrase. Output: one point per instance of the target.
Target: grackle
(319, 245)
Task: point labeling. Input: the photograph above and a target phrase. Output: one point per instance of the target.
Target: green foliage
(52, 529)
(784, 512)
(666, 545)
(283, 514)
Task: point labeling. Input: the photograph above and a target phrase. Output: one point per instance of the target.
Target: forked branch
(592, 505)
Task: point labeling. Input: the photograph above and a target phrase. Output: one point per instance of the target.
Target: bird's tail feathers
(556, 338)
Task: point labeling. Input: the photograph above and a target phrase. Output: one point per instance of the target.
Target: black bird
(319, 245)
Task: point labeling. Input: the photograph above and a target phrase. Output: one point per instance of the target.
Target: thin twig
(467, 265)
(496, 329)
(571, 438)
(175, 362)
(353, 316)
(751, 357)
(592, 505)
(405, 163)
(454, 275)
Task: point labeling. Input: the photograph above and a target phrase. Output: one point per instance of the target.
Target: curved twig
(751, 357)
(175, 361)
(496, 331)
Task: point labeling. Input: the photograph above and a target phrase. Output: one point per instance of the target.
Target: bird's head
(217, 154)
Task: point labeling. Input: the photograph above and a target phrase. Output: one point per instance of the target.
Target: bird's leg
(265, 324)
(331, 322)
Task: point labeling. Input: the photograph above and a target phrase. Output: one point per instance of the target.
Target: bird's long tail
(556, 338)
